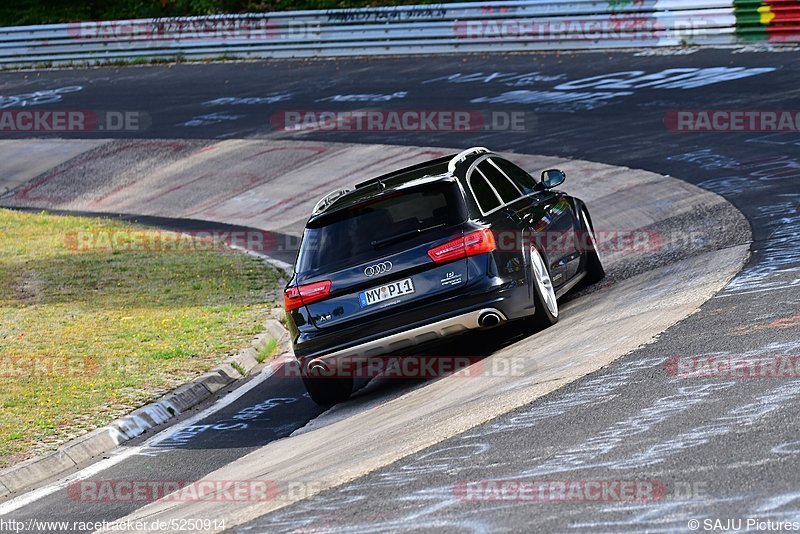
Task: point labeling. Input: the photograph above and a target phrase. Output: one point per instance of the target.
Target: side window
(483, 194)
(504, 187)
(524, 180)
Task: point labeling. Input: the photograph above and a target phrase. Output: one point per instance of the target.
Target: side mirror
(552, 178)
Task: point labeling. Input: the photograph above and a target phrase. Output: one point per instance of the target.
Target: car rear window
(375, 227)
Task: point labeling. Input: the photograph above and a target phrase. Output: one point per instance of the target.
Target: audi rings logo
(380, 268)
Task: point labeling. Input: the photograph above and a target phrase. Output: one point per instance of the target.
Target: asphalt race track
(722, 448)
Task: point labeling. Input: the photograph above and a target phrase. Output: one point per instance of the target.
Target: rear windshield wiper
(381, 243)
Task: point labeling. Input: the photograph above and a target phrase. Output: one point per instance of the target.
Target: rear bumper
(412, 337)
(439, 316)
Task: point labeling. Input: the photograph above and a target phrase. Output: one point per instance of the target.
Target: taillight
(473, 243)
(294, 297)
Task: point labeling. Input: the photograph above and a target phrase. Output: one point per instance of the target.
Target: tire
(327, 391)
(594, 264)
(544, 295)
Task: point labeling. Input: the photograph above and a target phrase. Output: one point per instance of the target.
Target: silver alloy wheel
(542, 278)
(590, 233)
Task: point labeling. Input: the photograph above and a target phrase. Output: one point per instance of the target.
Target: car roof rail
(326, 201)
(461, 156)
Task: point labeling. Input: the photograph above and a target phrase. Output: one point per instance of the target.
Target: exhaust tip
(489, 319)
(318, 368)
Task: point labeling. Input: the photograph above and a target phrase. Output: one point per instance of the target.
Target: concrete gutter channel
(214, 181)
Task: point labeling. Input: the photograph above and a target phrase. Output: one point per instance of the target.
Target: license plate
(386, 292)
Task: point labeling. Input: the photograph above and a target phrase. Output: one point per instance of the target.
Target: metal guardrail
(418, 29)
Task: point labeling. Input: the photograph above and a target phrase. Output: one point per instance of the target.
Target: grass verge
(267, 350)
(87, 336)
